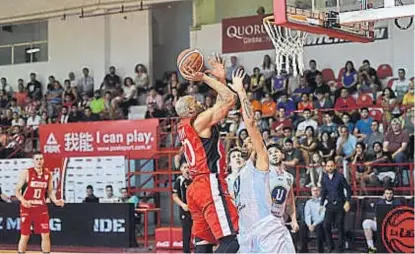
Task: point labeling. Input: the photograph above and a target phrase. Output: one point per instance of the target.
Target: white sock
(370, 243)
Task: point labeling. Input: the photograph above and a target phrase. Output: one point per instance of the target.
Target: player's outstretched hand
(237, 80)
(26, 203)
(60, 202)
(217, 64)
(189, 74)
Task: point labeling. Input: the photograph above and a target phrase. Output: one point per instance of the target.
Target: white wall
(96, 43)
(398, 50)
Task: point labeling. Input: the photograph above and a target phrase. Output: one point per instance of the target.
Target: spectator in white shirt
(400, 86)
(33, 120)
(130, 91)
(307, 122)
(86, 83)
(32, 127)
(71, 77)
(17, 120)
(6, 87)
(110, 197)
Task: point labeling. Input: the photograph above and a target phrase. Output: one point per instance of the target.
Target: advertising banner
(395, 229)
(169, 238)
(104, 225)
(137, 139)
(244, 34)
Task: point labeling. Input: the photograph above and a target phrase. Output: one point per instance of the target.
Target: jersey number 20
(189, 152)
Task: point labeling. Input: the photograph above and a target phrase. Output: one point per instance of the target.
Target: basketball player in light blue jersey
(282, 195)
(259, 229)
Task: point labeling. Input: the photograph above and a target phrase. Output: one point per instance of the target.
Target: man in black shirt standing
(179, 197)
(34, 88)
(333, 188)
(90, 197)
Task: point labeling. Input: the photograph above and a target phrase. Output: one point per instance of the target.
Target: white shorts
(389, 174)
(269, 235)
(369, 224)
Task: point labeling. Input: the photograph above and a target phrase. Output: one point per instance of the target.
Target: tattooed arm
(225, 101)
(262, 161)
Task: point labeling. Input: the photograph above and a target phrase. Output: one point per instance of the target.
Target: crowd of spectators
(356, 119)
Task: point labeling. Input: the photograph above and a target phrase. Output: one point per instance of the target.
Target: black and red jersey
(203, 155)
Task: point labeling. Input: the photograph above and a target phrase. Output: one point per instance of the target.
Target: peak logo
(51, 145)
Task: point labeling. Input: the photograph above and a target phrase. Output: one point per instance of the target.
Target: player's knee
(228, 244)
(45, 236)
(24, 238)
(366, 224)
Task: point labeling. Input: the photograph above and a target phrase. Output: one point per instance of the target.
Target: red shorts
(38, 217)
(213, 212)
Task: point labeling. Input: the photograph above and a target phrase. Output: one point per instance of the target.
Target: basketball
(190, 58)
(396, 230)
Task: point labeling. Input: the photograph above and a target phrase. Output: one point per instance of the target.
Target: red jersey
(204, 155)
(37, 187)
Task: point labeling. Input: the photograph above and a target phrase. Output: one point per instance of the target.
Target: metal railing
(398, 168)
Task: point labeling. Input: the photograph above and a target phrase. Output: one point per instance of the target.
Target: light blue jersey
(252, 196)
(260, 231)
(280, 185)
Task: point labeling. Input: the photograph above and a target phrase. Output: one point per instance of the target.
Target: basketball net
(289, 46)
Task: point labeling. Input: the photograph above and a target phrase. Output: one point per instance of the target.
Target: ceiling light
(32, 51)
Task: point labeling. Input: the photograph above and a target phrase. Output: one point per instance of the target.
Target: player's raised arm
(225, 101)
(262, 161)
(21, 182)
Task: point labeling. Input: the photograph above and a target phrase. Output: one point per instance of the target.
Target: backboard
(351, 20)
(354, 11)
(320, 17)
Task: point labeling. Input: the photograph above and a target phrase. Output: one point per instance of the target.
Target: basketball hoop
(289, 46)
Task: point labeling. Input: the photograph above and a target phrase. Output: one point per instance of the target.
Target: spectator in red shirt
(21, 94)
(305, 102)
(345, 103)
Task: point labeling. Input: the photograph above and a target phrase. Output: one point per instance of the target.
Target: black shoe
(371, 250)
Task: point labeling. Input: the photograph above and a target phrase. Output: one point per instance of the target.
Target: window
(24, 43)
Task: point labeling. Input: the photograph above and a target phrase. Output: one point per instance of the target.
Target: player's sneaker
(371, 250)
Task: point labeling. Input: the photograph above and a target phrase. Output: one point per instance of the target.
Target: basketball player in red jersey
(37, 182)
(215, 217)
